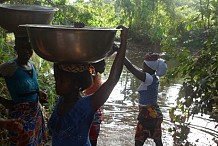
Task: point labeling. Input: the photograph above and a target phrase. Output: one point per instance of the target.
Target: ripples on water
(121, 110)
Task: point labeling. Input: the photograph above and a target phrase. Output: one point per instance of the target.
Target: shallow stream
(121, 110)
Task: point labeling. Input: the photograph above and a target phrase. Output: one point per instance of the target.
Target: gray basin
(12, 15)
(58, 43)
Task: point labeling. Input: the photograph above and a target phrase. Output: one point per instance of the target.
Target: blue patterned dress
(23, 87)
(72, 129)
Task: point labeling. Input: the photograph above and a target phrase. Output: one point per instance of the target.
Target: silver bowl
(58, 43)
(13, 15)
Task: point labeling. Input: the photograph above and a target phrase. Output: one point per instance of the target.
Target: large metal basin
(12, 15)
(58, 43)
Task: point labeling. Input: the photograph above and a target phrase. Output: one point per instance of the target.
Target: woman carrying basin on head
(71, 119)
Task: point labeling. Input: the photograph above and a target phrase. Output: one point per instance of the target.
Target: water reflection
(121, 110)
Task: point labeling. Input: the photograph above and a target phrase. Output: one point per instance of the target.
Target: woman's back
(72, 128)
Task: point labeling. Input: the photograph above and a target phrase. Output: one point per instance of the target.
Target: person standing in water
(98, 68)
(150, 116)
(73, 114)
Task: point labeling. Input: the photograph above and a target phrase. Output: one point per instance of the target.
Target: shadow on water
(121, 110)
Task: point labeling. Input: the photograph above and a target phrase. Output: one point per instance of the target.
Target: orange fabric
(151, 57)
(95, 85)
(95, 127)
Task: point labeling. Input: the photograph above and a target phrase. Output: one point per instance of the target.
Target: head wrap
(155, 63)
(74, 68)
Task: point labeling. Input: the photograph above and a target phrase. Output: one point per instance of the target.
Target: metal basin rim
(32, 8)
(68, 27)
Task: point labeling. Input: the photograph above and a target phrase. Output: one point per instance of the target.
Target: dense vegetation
(187, 31)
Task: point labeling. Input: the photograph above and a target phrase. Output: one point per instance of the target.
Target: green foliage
(7, 53)
(46, 80)
(103, 14)
(193, 44)
(148, 19)
(96, 13)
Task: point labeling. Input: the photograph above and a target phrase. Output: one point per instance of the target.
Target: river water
(121, 110)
